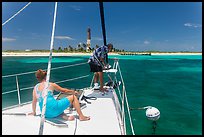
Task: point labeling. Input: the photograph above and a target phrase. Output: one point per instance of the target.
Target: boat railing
(119, 102)
(123, 97)
(122, 100)
(18, 89)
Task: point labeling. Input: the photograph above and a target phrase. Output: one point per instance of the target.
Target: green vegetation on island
(82, 48)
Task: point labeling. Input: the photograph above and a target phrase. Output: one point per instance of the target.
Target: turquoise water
(173, 84)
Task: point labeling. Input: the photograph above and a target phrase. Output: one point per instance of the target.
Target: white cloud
(64, 37)
(7, 39)
(188, 24)
(192, 25)
(78, 8)
(146, 42)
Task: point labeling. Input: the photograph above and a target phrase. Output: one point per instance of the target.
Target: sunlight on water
(156, 57)
(190, 69)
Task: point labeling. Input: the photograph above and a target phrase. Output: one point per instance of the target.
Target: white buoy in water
(152, 113)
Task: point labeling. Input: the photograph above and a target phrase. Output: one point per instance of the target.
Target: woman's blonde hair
(40, 74)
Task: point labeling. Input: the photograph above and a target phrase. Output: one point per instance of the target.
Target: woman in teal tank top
(54, 107)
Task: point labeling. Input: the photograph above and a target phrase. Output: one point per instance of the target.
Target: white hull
(104, 113)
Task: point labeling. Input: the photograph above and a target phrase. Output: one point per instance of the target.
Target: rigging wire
(48, 75)
(16, 14)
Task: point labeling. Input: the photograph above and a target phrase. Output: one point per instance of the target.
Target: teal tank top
(53, 107)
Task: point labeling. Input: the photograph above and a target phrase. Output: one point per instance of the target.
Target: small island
(61, 52)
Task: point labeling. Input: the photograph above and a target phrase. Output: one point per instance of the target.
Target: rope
(48, 75)
(16, 14)
(44, 69)
(75, 129)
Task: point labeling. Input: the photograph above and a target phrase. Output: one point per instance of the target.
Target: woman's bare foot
(84, 118)
(69, 118)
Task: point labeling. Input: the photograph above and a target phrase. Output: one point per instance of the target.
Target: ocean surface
(171, 83)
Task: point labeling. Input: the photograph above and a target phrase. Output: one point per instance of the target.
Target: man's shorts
(94, 67)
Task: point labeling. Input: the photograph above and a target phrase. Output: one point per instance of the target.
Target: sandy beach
(42, 54)
(80, 54)
(47, 54)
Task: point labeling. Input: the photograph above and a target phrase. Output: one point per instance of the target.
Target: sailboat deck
(102, 111)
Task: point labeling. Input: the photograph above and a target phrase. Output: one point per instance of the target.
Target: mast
(103, 22)
(103, 26)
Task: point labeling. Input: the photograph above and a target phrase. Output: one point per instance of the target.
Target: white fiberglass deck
(102, 111)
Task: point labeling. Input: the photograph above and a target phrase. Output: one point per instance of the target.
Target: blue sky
(132, 26)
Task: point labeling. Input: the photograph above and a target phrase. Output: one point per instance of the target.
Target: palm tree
(78, 46)
(60, 49)
(70, 48)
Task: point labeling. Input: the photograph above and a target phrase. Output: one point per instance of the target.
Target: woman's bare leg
(73, 99)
